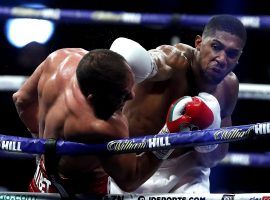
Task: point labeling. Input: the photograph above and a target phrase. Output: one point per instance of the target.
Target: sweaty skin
(207, 67)
(51, 105)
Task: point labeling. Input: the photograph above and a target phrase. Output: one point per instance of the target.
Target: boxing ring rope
(254, 91)
(18, 145)
(112, 17)
(247, 159)
(11, 83)
(137, 144)
(246, 90)
(134, 196)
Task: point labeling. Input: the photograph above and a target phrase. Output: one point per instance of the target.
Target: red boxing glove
(202, 112)
(175, 122)
(187, 113)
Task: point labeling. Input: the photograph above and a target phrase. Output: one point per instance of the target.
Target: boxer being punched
(171, 72)
(78, 96)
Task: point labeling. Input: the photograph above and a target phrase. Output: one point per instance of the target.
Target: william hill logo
(10, 145)
(129, 145)
(261, 129)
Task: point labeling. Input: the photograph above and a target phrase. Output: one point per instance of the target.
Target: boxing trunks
(42, 183)
(179, 175)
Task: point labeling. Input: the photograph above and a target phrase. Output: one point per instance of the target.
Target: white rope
(246, 90)
(247, 159)
(254, 91)
(236, 159)
(11, 83)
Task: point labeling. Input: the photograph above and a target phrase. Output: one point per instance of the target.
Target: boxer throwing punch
(168, 73)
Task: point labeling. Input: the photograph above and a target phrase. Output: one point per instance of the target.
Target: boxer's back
(56, 87)
(63, 110)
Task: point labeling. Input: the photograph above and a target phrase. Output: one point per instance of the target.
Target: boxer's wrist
(206, 148)
(165, 153)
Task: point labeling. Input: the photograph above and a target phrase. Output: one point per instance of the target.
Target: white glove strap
(206, 149)
(163, 154)
(213, 104)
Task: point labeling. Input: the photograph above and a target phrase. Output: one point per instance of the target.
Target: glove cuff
(163, 154)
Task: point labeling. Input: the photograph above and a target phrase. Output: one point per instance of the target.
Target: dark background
(253, 68)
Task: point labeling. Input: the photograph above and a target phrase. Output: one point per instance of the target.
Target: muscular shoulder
(66, 52)
(231, 82)
(177, 57)
(230, 87)
(187, 49)
(180, 47)
(59, 59)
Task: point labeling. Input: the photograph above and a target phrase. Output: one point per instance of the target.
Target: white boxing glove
(138, 58)
(175, 122)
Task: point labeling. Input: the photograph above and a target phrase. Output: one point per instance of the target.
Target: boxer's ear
(198, 41)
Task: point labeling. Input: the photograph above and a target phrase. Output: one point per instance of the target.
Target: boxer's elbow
(15, 97)
(19, 101)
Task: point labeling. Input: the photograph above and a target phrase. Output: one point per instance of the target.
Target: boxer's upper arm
(29, 88)
(227, 121)
(164, 71)
(28, 93)
(187, 50)
(231, 97)
(26, 101)
(169, 58)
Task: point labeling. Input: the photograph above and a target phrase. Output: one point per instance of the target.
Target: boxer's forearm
(28, 112)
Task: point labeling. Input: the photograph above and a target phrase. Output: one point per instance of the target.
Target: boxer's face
(219, 55)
